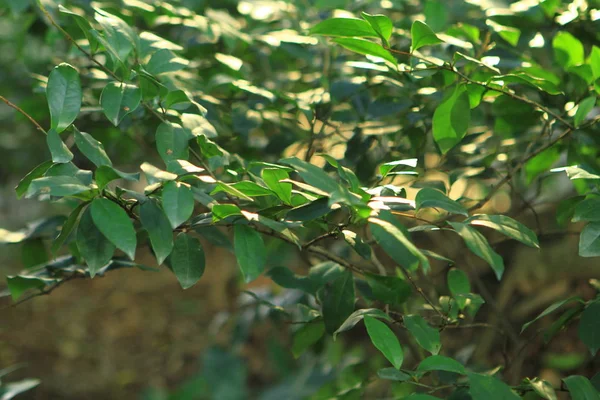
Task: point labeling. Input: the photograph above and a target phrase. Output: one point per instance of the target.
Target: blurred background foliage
(269, 88)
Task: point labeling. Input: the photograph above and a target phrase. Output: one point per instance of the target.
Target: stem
(19, 109)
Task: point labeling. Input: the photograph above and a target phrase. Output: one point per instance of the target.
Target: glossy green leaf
(542, 388)
(64, 96)
(479, 245)
(94, 247)
(441, 363)
(17, 285)
(222, 211)
(119, 38)
(568, 50)
(178, 202)
(272, 178)
(338, 301)
(392, 374)
(541, 163)
(309, 334)
(251, 189)
(589, 240)
(172, 142)
(386, 168)
(594, 62)
(587, 210)
(164, 61)
(313, 175)
(84, 25)
(488, 387)
(580, 388)
(508, 33)
(250, 252)
(119, 99)
(187, 260)
(585, 107)
(348, 27)
(422, 35)
(106, 174)
(59, 151)
(358, 316)
(433, 198)
(380, 24)
(426, 336)
(60, 186)
(508, 227)
(67, 228)
(389, 289)
(115, 225)
(589, 327)
(91, 148)
(285, 278)
(35, 173)
(385, 340)
(156, 223)
(451, 119)
(362, 46)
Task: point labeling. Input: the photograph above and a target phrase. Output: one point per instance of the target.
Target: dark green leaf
(451, 119)
(422, 35)
(479, 245)
(362, 46)
(348, 27)
(159, 229)
(59, 151)
(93, 246)
(187, 260)
(37, 172)
(488, 387)
(587, 210)
(115, 225)
(441, 363)
(119, 99)
(581, 388)
(251, 189)
(17, 285)
(589, 240)
(164, 61)
(67, 228)
(178, 202)
(60, 186)
(106, 174)
(309, 334)
(426, 336)
(222, 211)
(385, 341)
(429, 197)
(91, 148)
(392, 374)
(550, 310)
(64, 96)
(285, 278)
(508, 227)
(338, 301)
(357, 316)
(172, 142)
(389, 289)
(313, 175)
(585, 107)
(589, 327)
(250, 252)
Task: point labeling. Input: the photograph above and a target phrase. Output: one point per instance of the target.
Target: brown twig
(19, 109)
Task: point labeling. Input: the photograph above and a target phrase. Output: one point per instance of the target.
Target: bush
(365, 163)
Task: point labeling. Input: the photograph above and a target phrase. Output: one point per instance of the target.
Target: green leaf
(119, 99)
(508, 33)
(394, 243)
(285, 278)
(380, 24)
(426, 336)
(490, 388)
(386, 168)
(156, 223)
(389, 289)
(584, 108)
(178, 202)
(91, 148)
(222, 211)
(479, 245)
(508, 227)
(250, 252)
(458, 282)
(164, 61)
(64, 96)
(581, 388)
(542, 388)
(594, 62)
(272, 178)
(17, 285)
(392, 374)
(422, 35)
(37, 172)
(119, 36)
(60, 186)
(172, 142)
(385, 341)
(568, 50)
(306, 336)
(362, 46)
(105, 174)
(347, 27)
(67, 228)
(451, 119)
(589, 327)
(441, 363)
(93, 246)
(187, 260)
(587, 210)
(313, 175)
(550, 310)
(84, 25)
(541, 163)
(251, 189)
(338, 301)
(115, 225)
(589, 240)
(357, 316)
(429, 197)
(59, 151)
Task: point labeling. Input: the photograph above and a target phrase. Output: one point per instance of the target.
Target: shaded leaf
(451, 119)
(589, 327)
(119, 99)
(178, 202)
(309, 334)
(338, 301)
(64, 96)
(581, 388)
(429, 197)
(385, 341)
(250, 252)
(488, 387)
(479, 245)
(91, 148)
(508, 227)
(426, 336)
(187, 260)
(441, 363)
(94, 247)
(159, 229)
(59, 151)
(115, 225)
(357, 316)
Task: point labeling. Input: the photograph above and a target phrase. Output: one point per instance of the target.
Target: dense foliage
(339, 149)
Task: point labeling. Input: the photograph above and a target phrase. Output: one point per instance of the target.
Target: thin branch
(19, 109)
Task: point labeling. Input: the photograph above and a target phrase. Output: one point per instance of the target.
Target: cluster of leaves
(219, 131)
